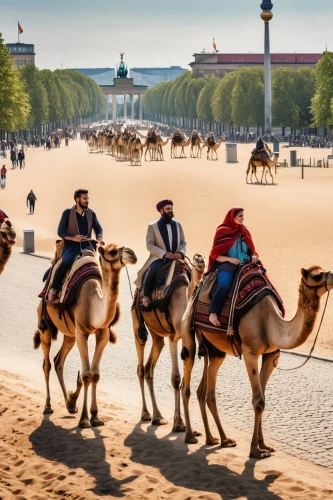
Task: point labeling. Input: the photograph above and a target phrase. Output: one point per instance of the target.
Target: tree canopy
(322, 101)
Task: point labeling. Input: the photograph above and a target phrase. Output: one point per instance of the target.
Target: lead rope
(129, 282)
(312, 348)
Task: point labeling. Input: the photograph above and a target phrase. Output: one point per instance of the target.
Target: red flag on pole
(19, 27)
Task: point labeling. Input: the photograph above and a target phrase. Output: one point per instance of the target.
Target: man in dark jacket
(31, 199)
(75, 228)
(21, 157)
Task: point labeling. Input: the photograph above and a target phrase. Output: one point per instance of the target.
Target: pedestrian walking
(13, 158)
(3, 173)
(31, 199)
(21, 157)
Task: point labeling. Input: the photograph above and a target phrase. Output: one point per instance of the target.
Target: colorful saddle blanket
(73, 286)
(250, 285)
(262, 155)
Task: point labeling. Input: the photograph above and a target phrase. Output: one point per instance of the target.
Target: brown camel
(195, 145)
(7, 240)
(213, 147)
(95, 309)
(266, 163)
(263, 332)
(136, 151)
(155, 150)
(182, 144)
(160, 328)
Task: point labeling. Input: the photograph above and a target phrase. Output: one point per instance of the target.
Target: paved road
(298, 404)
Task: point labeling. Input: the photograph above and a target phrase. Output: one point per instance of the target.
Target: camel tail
(113, 335)
(36, 339)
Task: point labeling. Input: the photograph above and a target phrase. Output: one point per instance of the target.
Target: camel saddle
(84, 267)
(172, 275)
(177, 138)
(211, 141)
(260, 156)
(152, 138)
(250, 285)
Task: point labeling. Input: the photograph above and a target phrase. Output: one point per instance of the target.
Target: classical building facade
(209, 64)
(22, 53)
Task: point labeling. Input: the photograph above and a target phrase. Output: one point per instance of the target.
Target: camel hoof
(228, 443)
(96, 422)
(159, 421)
(85, 424)
(265, 447)
(146, 417)
(72, 409)
(212, 441)
(260, 454)
(190, 439)
(180, 427)
(47, 410)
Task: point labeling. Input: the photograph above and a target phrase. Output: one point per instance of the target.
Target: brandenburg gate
(122, 86)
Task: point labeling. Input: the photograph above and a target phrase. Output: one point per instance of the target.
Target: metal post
(302, 169)
(266, 16)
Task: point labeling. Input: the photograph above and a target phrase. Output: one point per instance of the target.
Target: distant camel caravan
(262, 160)
(97, 305)
(262, 332)
(7, 240)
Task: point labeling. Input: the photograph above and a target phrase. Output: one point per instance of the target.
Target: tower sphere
(266, 5)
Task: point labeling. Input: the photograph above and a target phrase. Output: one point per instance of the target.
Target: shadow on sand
(193, 470)
(75, 450)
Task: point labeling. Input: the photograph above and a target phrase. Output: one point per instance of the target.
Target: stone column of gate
(132, 106)
(107, 107)
(125, 106)
(140, 106)
(114, 107)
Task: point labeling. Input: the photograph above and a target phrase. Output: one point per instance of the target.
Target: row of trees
(30, 97)
(300, 98)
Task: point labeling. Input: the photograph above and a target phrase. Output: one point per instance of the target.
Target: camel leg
(46, 346)
(262, 177)
(269, 361)
(140, 350)
(59, 361)
(247, 171)
(102, 338)
(270, 173)
(82, 344)
(178, 424)
(258, 401)
(158, 344)
(187, 355)
(254, 171)
(210, 399)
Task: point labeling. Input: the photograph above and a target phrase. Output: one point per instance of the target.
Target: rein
(313, 287)
(117, 259)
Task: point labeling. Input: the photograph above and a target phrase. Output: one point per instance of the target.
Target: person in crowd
(3, 175)
(21, 157)
(31, 200)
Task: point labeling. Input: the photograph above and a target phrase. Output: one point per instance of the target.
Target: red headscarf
(227, 234)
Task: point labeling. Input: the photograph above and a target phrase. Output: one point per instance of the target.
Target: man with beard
(75, 228)
(165, 241)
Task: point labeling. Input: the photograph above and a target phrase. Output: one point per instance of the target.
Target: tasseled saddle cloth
(250, 285)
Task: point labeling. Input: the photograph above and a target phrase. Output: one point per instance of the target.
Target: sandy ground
(48, 458)
(291, 225)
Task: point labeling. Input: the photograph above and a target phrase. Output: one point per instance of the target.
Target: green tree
(165, 100)
(205, 99)
(14, 100)
(222, 98)
(193, 90)
(53, 94)
(292, 92)
(322, 99)
(39, 110)
(248, 97)
(176, 83)
(180, 98)
(147, 103)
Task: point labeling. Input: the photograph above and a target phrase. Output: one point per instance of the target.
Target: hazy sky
(91, 33)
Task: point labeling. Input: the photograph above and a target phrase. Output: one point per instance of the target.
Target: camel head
(199, 262)
(8, 234)
(117, 256)
(316, 280)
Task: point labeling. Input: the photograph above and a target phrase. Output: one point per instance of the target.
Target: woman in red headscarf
(232, 247)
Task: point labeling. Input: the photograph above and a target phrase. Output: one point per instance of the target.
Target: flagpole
(18, 32)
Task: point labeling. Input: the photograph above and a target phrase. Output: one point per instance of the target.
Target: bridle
(117, 259)
(316, 287)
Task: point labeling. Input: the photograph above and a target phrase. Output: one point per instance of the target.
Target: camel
(182, 144)
(160, 328)
(95, 309)
(267, 164)
(213, 148)
(263, 332)
(195, 144)
(7, 240)
(155, 149)
(136, 151)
